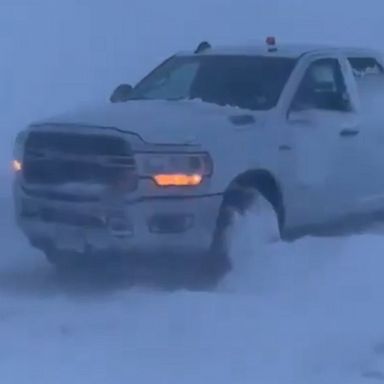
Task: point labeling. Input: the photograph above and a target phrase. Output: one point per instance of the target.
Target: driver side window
(323, 87)
(175, 84)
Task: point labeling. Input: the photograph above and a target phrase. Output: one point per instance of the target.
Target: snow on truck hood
(160, 122)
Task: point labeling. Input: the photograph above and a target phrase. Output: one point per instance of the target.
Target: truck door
(368, 76)
(325, 136)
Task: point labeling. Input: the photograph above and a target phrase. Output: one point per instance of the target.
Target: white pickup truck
(163, 166)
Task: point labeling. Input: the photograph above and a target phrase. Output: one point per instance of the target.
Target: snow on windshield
(242, 81)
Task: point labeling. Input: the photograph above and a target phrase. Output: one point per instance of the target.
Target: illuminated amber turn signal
(17, 165)
(178, 180)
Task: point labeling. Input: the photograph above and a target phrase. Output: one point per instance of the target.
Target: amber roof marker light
(271, 43)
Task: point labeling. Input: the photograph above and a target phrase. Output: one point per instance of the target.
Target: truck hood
(163, 122)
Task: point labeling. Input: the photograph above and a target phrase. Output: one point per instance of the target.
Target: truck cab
(162, 167)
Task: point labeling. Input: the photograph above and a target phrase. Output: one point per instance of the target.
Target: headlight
(175, 169)
(17, 165)
(18, 152)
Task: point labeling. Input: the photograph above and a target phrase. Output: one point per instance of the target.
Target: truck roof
(282, 50)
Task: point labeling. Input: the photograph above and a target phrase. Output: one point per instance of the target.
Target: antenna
(203, 46)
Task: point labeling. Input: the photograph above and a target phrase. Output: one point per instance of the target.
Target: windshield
(249, 82)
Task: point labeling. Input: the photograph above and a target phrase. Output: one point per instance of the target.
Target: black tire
(65, 260)
(236, 201)
(218, 262)
(71, 261)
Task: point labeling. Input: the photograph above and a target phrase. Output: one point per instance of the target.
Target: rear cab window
(365, 66)
(369, 76)
(323, 87)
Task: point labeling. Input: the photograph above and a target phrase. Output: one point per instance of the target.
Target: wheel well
(241, 191)
(239, 196)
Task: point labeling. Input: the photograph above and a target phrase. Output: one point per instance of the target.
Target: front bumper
(146, 225)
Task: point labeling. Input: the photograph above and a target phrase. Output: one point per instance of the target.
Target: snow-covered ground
(305, 312)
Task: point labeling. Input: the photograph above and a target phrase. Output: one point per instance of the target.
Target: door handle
(349, 132)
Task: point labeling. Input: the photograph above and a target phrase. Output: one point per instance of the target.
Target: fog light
(120, 226)
(170, 223)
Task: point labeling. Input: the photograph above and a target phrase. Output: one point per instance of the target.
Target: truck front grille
(77, 143)
(60, 158)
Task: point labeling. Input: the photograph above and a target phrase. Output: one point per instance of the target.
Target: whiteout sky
(58, 53)
(311, 313)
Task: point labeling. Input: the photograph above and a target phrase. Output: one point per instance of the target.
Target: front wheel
(242, 229)
(65, 260)
(71, 261)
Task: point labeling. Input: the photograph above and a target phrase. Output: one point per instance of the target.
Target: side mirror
(121, 93)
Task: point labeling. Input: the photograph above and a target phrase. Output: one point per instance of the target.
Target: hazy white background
(59, 53)
(310, 312)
